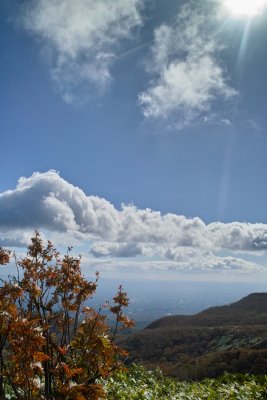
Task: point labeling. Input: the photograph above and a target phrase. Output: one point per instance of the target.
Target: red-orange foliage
(52, 346)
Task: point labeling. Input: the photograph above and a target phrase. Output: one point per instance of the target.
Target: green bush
(137, 383)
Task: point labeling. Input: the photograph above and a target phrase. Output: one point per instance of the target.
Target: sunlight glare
(245, 8)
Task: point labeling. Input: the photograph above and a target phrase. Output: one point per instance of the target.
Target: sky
(136, 131)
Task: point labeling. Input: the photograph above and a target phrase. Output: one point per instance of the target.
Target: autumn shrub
(53, 345)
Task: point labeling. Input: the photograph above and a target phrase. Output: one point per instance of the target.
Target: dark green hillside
(229, 338)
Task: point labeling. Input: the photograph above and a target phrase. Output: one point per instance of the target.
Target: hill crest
(230, 338)
(248, 310)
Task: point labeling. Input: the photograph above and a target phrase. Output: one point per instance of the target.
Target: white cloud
(47, 202)
(211, 264)
(238, 236)
(115, 249)
(187, 77)
(15, 237)
(80, 38)
(203, 260)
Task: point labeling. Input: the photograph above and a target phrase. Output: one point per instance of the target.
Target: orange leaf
(40, 356)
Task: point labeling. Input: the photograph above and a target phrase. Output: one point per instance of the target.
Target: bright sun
(246, 8)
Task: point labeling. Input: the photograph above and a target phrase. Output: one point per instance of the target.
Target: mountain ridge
(223, 315)
(230, 338)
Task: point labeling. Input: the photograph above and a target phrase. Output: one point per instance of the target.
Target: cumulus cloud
(46, 201)
(203, 260)
(80, 39)
(186, 74)
(116, 249)
(238, 236)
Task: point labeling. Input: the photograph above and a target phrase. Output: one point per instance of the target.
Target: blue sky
(160, 106)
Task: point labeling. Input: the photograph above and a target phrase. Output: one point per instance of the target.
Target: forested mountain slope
(229, 338)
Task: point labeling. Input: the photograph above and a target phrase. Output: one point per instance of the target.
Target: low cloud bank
(47, 201)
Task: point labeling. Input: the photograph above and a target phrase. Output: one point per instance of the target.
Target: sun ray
(243, 48)
(225, 178)
(242, 12)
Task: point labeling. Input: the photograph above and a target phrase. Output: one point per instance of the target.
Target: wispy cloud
(47, 201)
(80, 39)
(186, 75)
(205, 265)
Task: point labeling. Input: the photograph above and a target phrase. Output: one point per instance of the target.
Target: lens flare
(245, 8)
